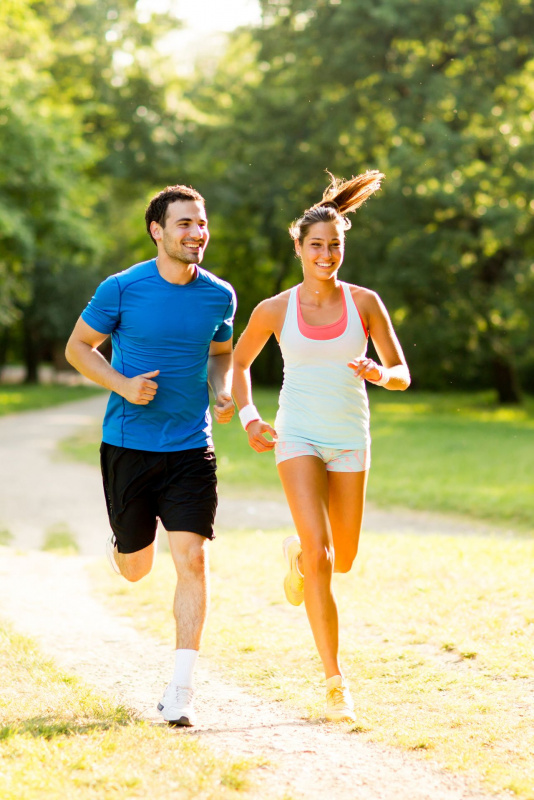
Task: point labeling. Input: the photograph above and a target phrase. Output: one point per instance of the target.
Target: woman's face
(322, 250)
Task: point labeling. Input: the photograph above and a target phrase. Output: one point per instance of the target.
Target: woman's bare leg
(346, 500)
(306, 486)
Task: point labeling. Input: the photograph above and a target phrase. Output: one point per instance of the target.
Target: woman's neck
(317, 292)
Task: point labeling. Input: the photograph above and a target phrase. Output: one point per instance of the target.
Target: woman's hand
(256, 438)
(366, 368)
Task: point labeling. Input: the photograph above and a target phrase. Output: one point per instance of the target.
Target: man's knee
(134, 566)
(134, 575)
(192, 558)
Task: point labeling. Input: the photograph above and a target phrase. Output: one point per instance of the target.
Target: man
(171, 327)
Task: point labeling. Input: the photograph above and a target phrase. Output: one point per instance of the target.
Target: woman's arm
(393, 373)
(262, 324)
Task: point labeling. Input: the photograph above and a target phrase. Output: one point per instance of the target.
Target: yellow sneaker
(293, 581)
(339, 707)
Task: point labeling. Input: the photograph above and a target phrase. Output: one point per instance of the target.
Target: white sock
(184, 666)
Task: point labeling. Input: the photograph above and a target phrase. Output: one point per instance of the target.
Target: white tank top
(321, 401)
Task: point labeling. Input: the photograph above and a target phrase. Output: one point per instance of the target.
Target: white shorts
(336, 460)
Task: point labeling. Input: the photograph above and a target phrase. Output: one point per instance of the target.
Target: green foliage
(439, 96)
(79, 115)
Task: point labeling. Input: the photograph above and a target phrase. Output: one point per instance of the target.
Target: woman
(321, 441)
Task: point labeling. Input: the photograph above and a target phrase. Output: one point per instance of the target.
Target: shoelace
(183, 696)
(336, 697)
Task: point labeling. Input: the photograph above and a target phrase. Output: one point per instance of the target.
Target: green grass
(6, 537)
(58, 739)
(452, 453)
(60, 539)
(27, 398)
(437, 634)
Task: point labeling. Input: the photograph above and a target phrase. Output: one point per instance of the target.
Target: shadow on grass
(50, 727)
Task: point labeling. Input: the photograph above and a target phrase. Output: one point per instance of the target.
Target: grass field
(60, 740)
(453, 453)
(437, 637)
(28, 398)
(437, 631)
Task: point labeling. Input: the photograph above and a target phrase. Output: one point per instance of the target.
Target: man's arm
(81, 352)
(220, 372)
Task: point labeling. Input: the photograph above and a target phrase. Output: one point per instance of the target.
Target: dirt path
(49, 598)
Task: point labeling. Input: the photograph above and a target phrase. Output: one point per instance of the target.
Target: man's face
(185, 235)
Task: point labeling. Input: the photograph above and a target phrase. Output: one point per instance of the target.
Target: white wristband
(384, 376)
(248, 414)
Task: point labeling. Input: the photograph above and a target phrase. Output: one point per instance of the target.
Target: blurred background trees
(437, 95)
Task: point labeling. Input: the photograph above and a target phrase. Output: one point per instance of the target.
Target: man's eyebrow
(190, 219)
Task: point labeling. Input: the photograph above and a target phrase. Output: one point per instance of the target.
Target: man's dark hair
(157, 208)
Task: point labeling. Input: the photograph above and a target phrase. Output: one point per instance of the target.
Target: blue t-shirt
(155, 324)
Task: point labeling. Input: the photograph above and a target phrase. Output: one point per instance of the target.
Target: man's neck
(174, 271)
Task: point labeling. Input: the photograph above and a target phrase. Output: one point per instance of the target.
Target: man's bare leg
(190, 555)
(134, 566)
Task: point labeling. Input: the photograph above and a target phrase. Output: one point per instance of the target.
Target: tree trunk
(505, 380)
(31, 354)
(4, 344)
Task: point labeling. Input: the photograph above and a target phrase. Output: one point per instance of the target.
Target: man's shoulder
(214, 281)
(137, 272)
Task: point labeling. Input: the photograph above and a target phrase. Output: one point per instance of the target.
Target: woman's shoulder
(270, 313)
(362, 295)
(275, 304)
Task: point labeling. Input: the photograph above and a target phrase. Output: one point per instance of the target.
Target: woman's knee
(344, 562)
(345, 557)
(317, 559)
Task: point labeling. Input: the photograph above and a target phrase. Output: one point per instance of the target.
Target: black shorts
(180, 488)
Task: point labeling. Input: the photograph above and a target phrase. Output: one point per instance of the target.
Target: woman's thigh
(346, 500)
(306, 487)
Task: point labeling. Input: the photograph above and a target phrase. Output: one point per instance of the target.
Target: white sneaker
(110, 552)
(293, 581)
(339, 707)
(176, 706)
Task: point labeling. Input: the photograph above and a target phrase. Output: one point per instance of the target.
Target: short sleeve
(225, 330)
(103, 311)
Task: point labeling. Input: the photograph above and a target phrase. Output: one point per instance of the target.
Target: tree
(81, 110)
(438, 95)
